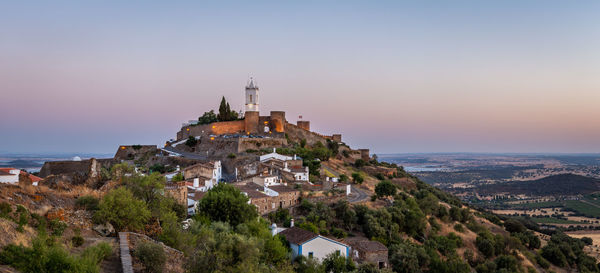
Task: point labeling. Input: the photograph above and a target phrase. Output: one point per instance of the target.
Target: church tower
(251, 96)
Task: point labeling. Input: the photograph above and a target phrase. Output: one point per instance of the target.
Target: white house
(9, 175)
(275, 155)
(300, 173)
(308, 244)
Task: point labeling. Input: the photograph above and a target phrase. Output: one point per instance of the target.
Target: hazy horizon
(415, 77)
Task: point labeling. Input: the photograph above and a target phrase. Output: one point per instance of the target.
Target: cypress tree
(223, 113)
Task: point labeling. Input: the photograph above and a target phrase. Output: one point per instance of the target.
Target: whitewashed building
(305, 243)
(9, 175)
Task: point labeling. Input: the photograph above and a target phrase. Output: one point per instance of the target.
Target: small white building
(275, 155)
(9, 175)
(305, 243)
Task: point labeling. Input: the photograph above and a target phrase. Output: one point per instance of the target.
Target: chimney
(196, 182)
(178, 168)
(292, 222)
(294, 157)
(275, 150)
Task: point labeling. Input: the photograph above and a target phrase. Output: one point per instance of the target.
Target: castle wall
(131, 152)
(251, 122)
(260, 143)
(364, 154)
(278, 121)
(296, 133)
(304, 125)
(227, 127)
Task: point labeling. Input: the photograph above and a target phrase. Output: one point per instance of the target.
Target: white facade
(12, 177)
(252, 96)
(319, 247)
(275, 155)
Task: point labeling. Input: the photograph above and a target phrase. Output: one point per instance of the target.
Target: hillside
(555, 185)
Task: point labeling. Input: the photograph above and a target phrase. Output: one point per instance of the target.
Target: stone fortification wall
(227, 127)
(133, 152)
(217, 146)
(175, 258)
(296, 134)
(260, 143)
(251, 120)
(278, 121)
(82, 167)
(215, 128)
(304, 125)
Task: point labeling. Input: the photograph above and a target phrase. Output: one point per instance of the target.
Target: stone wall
(251, 119)
(303, 125)
(179, 191)
(260, 143)
(175, 258)
(227, 127)
(134, 152)
(296, 133)
(198, 170)
(278, 121)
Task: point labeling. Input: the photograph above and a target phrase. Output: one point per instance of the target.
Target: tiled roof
(297, 235)
(34, 178)
(282, 188)
(5, 173)
(364, 244)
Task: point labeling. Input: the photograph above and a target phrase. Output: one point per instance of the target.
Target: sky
(392, 76)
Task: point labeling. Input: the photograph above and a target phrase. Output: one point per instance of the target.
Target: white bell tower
(251, 96)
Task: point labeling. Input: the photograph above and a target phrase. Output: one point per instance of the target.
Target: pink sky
(509, 77)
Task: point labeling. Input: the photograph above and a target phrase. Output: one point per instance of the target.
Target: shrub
(122, 210)
(231, 156)
(151, 255)
(459, 228)
(226, 203)
(57, 227)
(77, 240)
(345, 153)
(380, 176)
(358, 178)
(343, 178)
(359, 163)
(385, 188)
(5, 209)
(191, 141)
(87, 202)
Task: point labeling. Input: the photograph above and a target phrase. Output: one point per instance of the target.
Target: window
(337, 252)
(310, 254)
(250, 98)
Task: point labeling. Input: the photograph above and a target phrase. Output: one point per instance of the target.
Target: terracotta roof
(365, 245)
(255, 194)
(282, 188)
(5, 173)
(297, 235)
(34, 178)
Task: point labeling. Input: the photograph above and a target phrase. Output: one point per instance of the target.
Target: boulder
(105, 230)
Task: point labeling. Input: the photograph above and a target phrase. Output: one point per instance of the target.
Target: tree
(120, 208)
(151, 255)
(147, 188)
(385, 188)
(359, 163)
(358, 178)
(227, 204)
(191, 141)
(225, 113)
(208, 117)
(337, 263)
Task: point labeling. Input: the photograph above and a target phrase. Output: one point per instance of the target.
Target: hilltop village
(245, 192)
